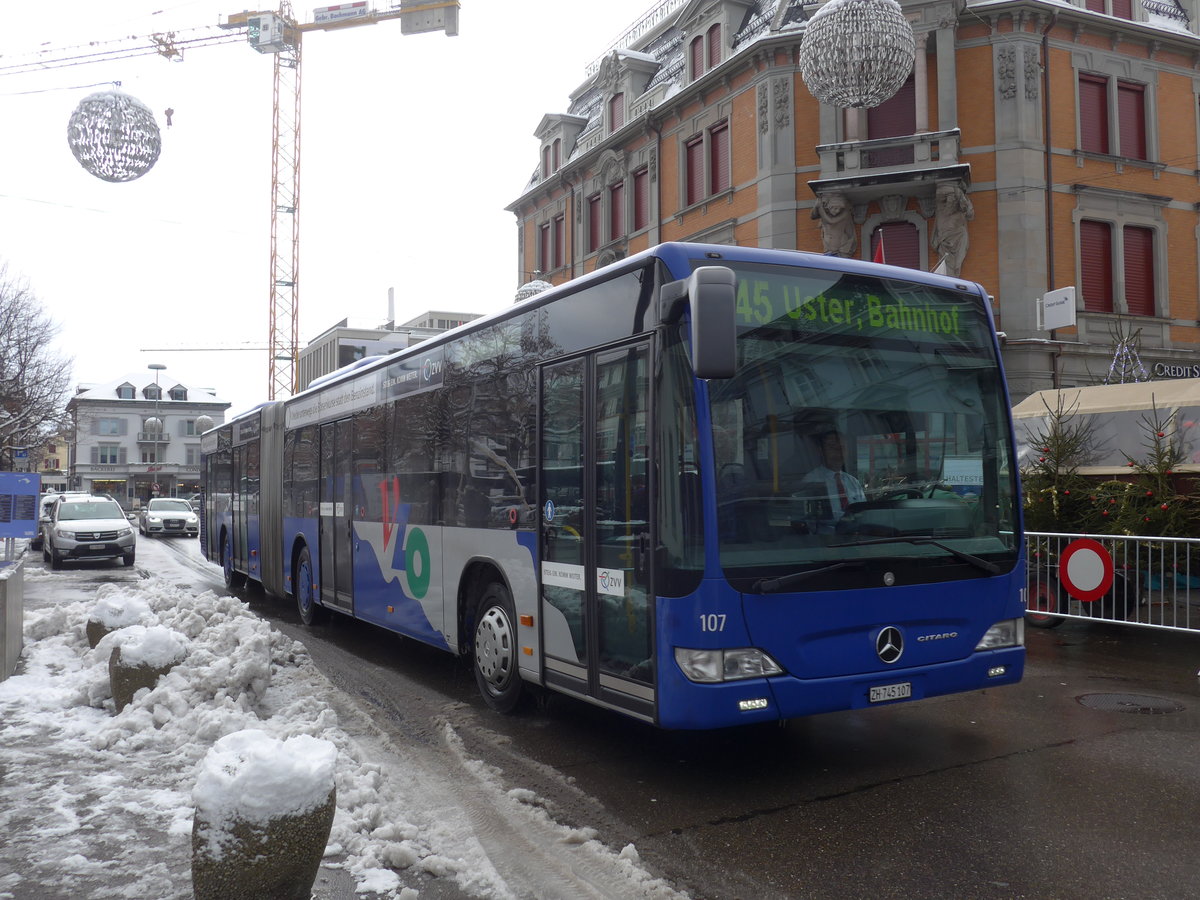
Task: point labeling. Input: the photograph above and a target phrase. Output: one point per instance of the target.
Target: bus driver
(840, 487)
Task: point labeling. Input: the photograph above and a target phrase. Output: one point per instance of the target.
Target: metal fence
(1155, 581)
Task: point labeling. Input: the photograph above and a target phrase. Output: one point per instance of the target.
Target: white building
(345, 343)
(139, 436)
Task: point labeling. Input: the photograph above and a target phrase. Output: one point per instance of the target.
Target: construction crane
(275, 32)
(278, 33)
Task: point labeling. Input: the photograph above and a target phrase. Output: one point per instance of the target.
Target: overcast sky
(412, 145)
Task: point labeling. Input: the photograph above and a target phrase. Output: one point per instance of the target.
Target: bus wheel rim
(306, 594)
(494, 647)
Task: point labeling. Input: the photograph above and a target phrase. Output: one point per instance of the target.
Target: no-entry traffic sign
(1086, 570)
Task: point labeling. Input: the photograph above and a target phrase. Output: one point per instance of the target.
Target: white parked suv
(87, 528)
(168, 515)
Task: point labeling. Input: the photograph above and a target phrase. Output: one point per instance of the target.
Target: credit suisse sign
(1176, 370)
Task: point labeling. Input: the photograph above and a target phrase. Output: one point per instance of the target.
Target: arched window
(713, 46)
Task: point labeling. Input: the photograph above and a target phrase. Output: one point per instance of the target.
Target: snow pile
(104, 803)
(119, 788)
(156, 646)
(115, 608)
(249, 776)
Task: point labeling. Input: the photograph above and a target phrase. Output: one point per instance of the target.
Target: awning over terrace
(1122, 421)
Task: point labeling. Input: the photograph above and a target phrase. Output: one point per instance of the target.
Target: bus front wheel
(495, 649)
(311, 612)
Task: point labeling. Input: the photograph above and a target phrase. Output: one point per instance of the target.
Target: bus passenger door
(336, 511)
(597, 605)
(238, 509)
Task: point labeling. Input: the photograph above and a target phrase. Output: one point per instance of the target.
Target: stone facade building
(1035, 146)
(138, 437)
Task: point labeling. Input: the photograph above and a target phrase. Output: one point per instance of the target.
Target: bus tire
(234, 580)
(1045, 598)
(311, 612)
(494, 649)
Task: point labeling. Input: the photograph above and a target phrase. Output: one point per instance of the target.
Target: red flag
(879, 257)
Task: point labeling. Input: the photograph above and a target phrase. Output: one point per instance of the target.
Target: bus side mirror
(711, 293)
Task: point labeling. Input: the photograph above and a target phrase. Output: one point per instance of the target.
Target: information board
(19, 504)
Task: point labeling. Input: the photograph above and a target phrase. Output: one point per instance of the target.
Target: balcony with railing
(153, 437)
(890, 155)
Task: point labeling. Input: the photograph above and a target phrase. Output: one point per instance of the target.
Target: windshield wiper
(990, 567)
(771, 585)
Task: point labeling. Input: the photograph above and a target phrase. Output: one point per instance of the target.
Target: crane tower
(278, 33)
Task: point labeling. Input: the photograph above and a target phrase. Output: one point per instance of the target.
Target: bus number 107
(712, 622)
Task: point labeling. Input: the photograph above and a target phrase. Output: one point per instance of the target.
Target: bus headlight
(712, 666)
(1009, 633)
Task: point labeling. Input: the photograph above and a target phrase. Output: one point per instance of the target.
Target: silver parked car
(46, 507)
(87, 528)
(168, 515)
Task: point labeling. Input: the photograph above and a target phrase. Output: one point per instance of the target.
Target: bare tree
(33, 377)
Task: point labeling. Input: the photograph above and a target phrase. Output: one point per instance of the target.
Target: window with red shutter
(718, 155)
(713, 48)
(1096, 5)
(901, 244)
(1096, 265)
(696, 52)
(546, 161)
(1093, 113)
(895, 117)
(559, 237)
(1139, 270)
(616, 112)
(641, 199)
(1131, 119)
(694, 150)
(616, 211)
(1122, 9)
(557, 154)
(545, 260)
(595, 235)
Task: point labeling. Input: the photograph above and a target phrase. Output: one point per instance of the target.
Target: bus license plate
(891, 692)
(97, 546)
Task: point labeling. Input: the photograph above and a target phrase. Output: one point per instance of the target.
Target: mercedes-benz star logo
(890, 644)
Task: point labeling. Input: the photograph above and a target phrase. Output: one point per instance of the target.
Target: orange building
(1035, 146)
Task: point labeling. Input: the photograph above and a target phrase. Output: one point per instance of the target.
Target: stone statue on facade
(837, 224)
(953, 210)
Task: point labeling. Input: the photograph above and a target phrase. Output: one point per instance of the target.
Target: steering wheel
(903, 494)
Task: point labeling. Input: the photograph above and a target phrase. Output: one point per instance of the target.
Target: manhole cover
(1130, 703)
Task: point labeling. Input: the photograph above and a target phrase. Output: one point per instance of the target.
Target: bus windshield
(867, 422)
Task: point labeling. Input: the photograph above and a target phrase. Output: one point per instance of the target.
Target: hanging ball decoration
(531, 289)
(114, 136)
(857, 53)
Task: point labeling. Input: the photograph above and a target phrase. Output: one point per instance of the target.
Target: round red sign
(1086, 570)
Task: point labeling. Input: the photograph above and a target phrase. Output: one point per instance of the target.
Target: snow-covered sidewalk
(97, 804)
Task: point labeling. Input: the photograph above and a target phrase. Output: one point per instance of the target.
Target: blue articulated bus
(704, 486)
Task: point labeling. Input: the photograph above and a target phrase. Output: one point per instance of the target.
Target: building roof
(658, 38)
(107, 390)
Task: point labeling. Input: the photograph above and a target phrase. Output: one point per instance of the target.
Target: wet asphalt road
(1082, 781)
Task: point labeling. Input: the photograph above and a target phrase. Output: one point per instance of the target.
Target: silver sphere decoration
(153, 426)
(530, 289)
(857, 53)
(114, 136)
(203, 424)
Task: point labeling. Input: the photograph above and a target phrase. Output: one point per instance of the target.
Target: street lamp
(156, 368)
